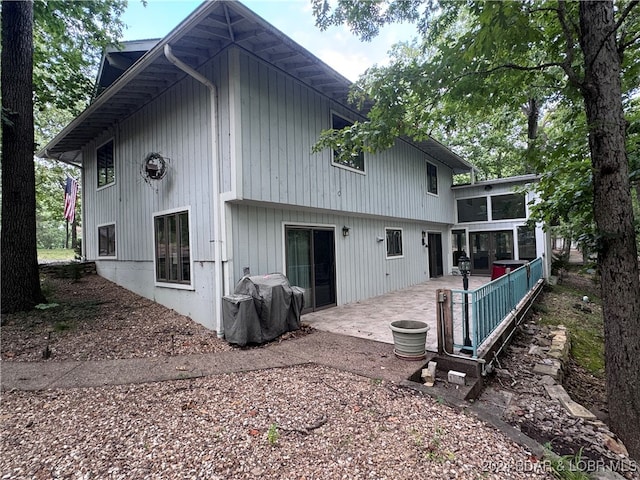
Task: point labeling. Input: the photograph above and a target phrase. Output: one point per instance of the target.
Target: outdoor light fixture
(424, 236)
(345, 231)
(464, 265)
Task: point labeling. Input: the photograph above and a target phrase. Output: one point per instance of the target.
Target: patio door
(311, 264)
(436, 263)
(487, 247)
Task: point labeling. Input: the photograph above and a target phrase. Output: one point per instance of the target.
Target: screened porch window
(173, 258)
(527, 243)
(504, 207)
(472, 210)
(459, 244)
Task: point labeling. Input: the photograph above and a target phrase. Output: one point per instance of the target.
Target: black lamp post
(464, 265)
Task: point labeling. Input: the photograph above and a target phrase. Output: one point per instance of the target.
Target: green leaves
(68, 40)
(471, 81)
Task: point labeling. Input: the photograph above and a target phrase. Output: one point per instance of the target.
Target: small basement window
(107, 240)
(394, 242)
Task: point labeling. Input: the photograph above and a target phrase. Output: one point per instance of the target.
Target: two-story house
(197, 168)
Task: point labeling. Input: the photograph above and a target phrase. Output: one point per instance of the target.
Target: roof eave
(134, 70)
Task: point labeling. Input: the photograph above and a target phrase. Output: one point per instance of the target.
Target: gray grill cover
(262, 308)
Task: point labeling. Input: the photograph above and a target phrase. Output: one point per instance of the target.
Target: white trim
(115, 170)
(159, 283)
(115, 234)
(344, 167)
(319, 226)
(386, 249)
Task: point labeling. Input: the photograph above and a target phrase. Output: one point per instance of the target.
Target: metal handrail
(490, 304)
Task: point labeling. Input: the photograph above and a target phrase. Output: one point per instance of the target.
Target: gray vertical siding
(281, 119)
(268, 123)
(362, 269)
(177, 125)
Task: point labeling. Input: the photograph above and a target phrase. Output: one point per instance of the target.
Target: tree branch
(570, 42)
(510, 66)
(625, 45)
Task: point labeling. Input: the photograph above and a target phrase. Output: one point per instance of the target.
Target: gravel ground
(95, 319)
(300, 423)
(305, 422)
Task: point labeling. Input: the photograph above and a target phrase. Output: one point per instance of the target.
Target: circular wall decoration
(154, 166)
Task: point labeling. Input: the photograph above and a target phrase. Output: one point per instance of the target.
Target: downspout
(217, 207)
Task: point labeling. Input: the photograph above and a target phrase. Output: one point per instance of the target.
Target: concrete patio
(371, 318)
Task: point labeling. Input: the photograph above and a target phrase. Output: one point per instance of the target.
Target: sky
(336, 46)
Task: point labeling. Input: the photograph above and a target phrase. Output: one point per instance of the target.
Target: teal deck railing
(489, 305)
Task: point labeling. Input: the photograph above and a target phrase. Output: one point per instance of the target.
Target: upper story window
(394, 242)
(107, 240)
(472, 210)
(504, 207)
(106, 165)
(352, 162)
(432, 178)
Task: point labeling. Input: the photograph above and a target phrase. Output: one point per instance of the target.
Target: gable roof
(212, 27)
(117, 60)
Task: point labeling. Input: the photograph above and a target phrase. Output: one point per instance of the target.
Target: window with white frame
(107, 240)
(105, 164)
(527, 249)
(353, 161)
(432, 178)
(172, 252)
(394, 242)
(504, 207)
(472, 210)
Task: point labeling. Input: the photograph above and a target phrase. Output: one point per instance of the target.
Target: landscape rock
(429, 374)
(542, 408)
(614, 445)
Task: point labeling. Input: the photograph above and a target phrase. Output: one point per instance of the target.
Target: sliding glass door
(310, 254)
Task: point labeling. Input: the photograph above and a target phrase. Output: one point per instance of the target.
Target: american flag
(70, 194)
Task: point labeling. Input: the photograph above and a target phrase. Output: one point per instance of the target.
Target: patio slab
(371, 318)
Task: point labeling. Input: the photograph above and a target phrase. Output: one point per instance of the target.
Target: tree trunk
(613, 211)
(20, 277)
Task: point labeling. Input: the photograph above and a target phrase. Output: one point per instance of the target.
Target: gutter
(218, 206)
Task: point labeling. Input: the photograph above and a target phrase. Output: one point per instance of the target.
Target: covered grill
(262, 308)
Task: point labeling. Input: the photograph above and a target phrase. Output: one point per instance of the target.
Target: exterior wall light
(345, 231)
